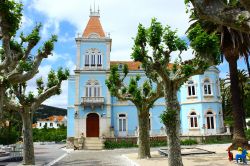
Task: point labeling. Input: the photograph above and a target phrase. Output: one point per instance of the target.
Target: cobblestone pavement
(97, 158)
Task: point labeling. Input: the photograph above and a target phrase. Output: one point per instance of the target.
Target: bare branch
(17, 77)
(45, 95)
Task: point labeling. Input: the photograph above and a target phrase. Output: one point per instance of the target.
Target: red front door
(92, 125)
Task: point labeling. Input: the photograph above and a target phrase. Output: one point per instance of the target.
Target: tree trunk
(144, 143)
(28, 146)
(173, 126)
(1, 101)
(239, 138)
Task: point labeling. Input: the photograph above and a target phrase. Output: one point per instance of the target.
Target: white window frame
(118, 123)
(87, 59)
(206, 84)
(93, 89)
(192, 118)
(210, 116)
(192, 88)
(93, 59)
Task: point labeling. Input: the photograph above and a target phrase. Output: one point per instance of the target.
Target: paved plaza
(57, 155)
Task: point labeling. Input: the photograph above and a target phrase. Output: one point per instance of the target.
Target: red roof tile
(131, 64)
(93, 26)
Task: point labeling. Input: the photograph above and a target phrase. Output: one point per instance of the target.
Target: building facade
(51, 122)
(93, 112)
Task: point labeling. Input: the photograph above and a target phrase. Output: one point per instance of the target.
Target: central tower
(93, 47)
(89, 100)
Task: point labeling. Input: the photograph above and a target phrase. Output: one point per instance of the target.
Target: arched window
(92, 89)
(193, 120)
(207, 87)
(93, 58)
(210, 120)
(191, 88)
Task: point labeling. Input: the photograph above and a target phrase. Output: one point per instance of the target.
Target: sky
(67, 19)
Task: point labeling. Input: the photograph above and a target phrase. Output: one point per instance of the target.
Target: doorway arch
(92, 125)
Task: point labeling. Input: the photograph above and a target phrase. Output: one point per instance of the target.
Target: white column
(78, 54)
(108, 56)
(108, 106)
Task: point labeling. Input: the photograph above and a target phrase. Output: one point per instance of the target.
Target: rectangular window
(124, 124)
(40, 124)
(191, 121)
(205, 89)
(209, 89)
(99, 93)
(51, 124)
(191, 90)
(99, 60)
(195, 122)
(120, 124)
(87, 94)
(90, 93)
(208, 123)
(212, 122)
(87, 60)
(92, 60)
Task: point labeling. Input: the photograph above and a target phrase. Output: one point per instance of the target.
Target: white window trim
(117, 116)
(210, 115)
(211, 87)
(93, 54)
(195, 89)
(191, 116)
(92, 86)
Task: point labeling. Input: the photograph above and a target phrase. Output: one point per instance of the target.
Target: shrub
(50, 135)
(157, 143)
(189, 142)
(122, 144)
(216, 141)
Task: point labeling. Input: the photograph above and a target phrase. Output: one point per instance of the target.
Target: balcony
(93, 102)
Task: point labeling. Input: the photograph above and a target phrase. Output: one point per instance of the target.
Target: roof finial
(94, 13)
(90, 9)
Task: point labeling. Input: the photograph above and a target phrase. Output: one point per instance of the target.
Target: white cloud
(186, 55)
(50, 27)
(119, 18)
(26, 22)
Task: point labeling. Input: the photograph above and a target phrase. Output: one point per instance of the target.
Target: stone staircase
(93, 143)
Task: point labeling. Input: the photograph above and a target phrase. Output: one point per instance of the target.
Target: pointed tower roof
(94, 25)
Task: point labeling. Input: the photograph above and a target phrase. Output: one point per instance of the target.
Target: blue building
(93, 112)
